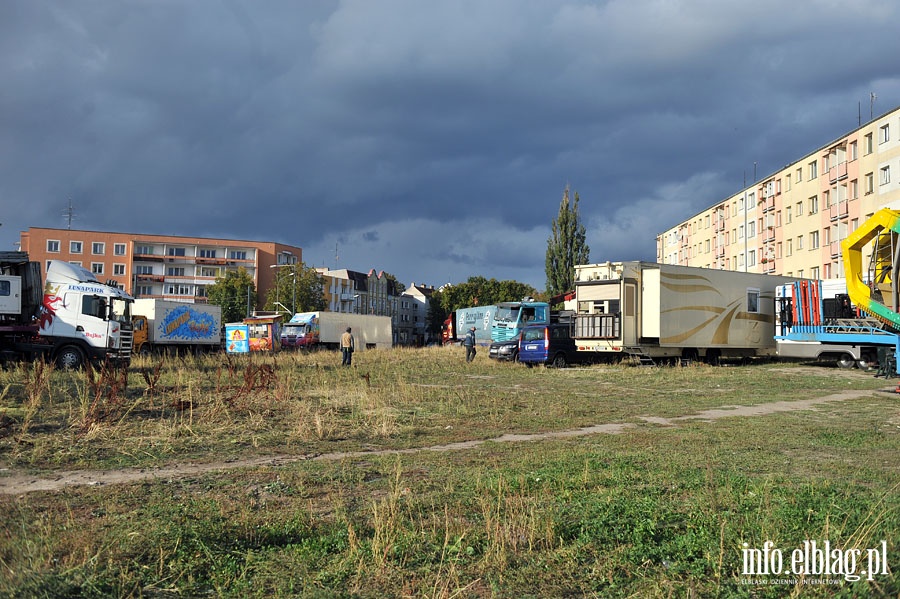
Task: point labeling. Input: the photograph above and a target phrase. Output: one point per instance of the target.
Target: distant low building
(413, 321)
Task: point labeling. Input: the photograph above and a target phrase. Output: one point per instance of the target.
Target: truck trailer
(161, 325)
(855, 321)
(816, 320)
(74, 320)
(311, 330)
(648, 311)
(460, 321)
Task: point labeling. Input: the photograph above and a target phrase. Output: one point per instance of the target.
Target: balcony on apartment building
(837, 172)
(768, 234)
(767, 203)
(835, 248)
(839, 210)
(768, 265)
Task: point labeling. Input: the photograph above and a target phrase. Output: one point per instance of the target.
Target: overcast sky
(430, 139)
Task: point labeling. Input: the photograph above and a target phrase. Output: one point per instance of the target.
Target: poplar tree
(566, 247)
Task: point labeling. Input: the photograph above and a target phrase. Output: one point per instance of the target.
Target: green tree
(566, 247)
(235, 293)
(298, 288)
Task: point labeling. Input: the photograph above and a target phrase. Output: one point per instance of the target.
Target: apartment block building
(792, 221)
(161, 266)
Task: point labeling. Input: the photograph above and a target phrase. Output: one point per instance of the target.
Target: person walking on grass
(469, 343)
(347, 345)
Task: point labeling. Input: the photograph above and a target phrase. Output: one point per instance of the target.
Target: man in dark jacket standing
(469, 342)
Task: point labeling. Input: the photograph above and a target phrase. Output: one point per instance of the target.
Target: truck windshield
(294, 329)
(507, 314)
(120, 310)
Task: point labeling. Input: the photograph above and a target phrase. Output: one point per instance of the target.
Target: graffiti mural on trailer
(184, 322)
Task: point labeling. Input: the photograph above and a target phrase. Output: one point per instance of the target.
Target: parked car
(505, 350)
(552, 344)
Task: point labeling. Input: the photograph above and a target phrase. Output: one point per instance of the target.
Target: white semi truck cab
(83, 319)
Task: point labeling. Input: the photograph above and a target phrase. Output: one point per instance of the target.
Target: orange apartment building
(792, 221)
(162, 266)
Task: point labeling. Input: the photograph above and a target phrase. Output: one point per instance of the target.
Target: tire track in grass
(17, 483)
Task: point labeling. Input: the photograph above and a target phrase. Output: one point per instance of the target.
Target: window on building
(799, 208)
(119, 270)
(98, 248)
(814, 205)
(146, 250)
(751, 258)
(53, 246)
(751, 229)
(787, 182)
(177, 251)
(144, 290)
(854, 224)
(75, 247)
(175, 271)
(237, 255)
(753, 301)
(813, 168)
(178, 290)
(201, 291)
(799, 242)
(119, 249)
(813, 240)
(884, 134)
(206, 253)
(884, 175)
(143, 269)
(97, 268)
(208, 272)
(778, 250)
(853, 150)
(787, 214)
(868, 146)
(854, 189)
(790, 247)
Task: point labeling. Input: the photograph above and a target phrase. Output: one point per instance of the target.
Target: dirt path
(17, 484)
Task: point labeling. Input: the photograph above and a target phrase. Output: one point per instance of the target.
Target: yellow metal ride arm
(884, 228)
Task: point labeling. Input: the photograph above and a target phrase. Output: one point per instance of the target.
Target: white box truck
(309, 330)
(162, 325)
(651, 310)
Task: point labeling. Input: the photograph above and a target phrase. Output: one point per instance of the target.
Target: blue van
(552, 344)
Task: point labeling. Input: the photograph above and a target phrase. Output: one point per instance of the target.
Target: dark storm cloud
(430, 140)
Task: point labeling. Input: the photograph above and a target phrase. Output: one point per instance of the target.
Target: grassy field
(415, 474)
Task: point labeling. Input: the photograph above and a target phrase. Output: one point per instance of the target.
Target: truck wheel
(69, 357)
(846, 361)
(559, 361)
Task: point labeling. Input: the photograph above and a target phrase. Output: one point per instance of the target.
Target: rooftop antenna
(336, 256)
(872, 98)
(69, 213)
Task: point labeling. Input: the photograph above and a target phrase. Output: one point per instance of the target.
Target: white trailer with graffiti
(161, 325)
(651, 310)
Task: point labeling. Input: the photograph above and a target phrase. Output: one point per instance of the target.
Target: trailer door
(650, 303)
